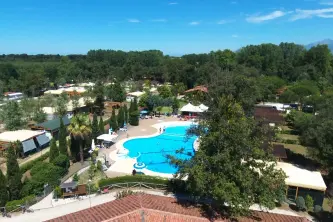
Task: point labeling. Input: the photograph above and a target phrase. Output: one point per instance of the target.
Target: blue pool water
(152, 151)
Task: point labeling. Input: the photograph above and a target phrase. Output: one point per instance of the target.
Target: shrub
(76, 177)
(62, 161)
(136, 178)
(99, 165)
(308, 202)
(317, 209)
(32, 187)
(28, 200)
(47, 173)
(300, 203)
(27, 166)
(124, 193)
(57, 192)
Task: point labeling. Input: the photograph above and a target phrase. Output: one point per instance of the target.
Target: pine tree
(101, 125)
(14, 175)
(63, 138)
(113, 121)
(120, 118)
(3, 190)
(134, 113)
(94, 127)
(125, 114)
(54, 151)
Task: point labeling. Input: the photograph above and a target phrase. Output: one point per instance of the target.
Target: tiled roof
(267, 114)
(158, 208)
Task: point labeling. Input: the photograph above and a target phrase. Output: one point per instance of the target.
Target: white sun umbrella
(93, 145)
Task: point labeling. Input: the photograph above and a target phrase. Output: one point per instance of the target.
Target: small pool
(153, 151)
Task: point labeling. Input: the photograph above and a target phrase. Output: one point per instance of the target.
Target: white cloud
(326, 3)
(222, 22)
(173, 3)
(305, 14)
(235, 36)
(133, 20)
(159, 20)
(194, 23)
(262, 18)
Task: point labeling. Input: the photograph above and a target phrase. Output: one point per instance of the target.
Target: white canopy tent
(107, 137)
(203, 107)
(191, 109)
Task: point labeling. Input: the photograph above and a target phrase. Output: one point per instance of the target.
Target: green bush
(309, 202)
(27, 166)
(47, 173)
(28, 200)
(32, 187)
(290, 141)
(62, 161)
(99, 165)
(300, 203)
(76, 177)
(136, 178)
(57, 192)
(317, 209)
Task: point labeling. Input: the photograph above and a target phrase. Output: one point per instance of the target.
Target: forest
(268, 66)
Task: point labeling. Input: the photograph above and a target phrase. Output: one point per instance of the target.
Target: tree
(94, 127)
(175, 106)
(300, 203)
(14, 175)
(125, 114)
(212, 174)
(79, 129)
(113, 121)
(98, 93)
(3, 190)
(54, 151)
(61, 161)
(39, 116)
(63, 138)
(120, 118)
(164, 91)
(101, 125)
(134, 114)
(61, 106)
(309, 202)
(75, 100)
(11, 115)
(116, 93)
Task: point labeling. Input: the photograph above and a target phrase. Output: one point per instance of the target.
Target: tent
(203, 107)
(191, 109)
(107, 137)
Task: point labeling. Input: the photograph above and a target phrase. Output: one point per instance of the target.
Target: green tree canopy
(101, 125)
(113, 121)
(3, 190)
(120, 117)
(14, 175)
(227, 165)
(79, 129)
(134, 113)
(54, 151)
(12, 116)
(94, 127)
(63, 138)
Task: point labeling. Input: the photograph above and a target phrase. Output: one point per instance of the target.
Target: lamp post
(89, 181)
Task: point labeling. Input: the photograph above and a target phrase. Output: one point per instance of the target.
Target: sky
(174, 26)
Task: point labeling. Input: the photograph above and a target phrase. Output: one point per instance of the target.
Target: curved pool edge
(120, 145)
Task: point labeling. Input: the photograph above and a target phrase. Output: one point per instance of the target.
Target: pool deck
(146, 128)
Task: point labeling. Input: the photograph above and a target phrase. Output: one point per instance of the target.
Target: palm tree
(80, 129)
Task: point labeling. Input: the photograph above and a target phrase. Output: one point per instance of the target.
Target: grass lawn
(165, 109)
(84, 177)
(182, 103)
(296, 148)
(288, 136)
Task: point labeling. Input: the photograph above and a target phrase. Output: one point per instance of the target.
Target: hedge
(12, 205)
(27, 166)
(136, 178)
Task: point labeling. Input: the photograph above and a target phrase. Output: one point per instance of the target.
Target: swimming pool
(153, 151)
